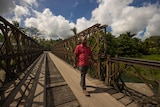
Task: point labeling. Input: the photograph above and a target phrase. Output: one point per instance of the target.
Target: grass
(130, 78)
(149, 74)
(151, 57)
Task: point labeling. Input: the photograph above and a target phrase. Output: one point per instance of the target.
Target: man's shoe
(86, 93)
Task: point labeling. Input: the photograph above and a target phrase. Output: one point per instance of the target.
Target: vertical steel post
(108, 70)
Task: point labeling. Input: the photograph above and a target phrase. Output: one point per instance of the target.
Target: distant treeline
(125, 45)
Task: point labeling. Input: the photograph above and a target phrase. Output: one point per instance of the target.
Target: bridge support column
(108, 70)
(159, 89)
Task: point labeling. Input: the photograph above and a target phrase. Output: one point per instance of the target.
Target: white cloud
(153, 28)
(9, 5)
(116, 13)
(49, 25)
(19, 12)
(28, 3)
(83, 23)
(6, 6)
(122, 17)
(109, 10)
(31, 2)
(133, 19)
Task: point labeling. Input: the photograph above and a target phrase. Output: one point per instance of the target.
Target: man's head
(84, 40)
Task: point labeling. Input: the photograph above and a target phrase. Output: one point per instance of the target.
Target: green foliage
(127, 46)
(128, 77)
(151, 57)
(124, 45)
(1, 38)
(32, 32)
(47, 44)
(112, 43)
(15, 23)
(152, 45)
(91, 43)
(74, 30)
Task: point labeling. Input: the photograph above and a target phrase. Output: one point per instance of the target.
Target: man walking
(82, 53)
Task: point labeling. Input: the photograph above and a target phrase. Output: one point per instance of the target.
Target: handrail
(133, 61)
(108, 69)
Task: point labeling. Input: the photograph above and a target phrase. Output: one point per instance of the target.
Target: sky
(55, 18)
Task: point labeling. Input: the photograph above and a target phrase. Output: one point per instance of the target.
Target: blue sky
(70, 9)
(55, 18)
(140, 3)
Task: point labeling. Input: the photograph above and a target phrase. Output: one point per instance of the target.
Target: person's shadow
(109, 90)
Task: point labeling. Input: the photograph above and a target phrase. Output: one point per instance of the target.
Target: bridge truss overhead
(17, 50)
(128, 75)
(96, 35)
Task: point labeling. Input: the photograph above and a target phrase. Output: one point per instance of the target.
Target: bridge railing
(17, 50)
(95, 34)
(127, 75)
(135, 76)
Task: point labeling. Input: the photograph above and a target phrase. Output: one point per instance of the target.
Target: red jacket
(83, 53)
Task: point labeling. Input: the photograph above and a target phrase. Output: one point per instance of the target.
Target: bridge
(33, 77)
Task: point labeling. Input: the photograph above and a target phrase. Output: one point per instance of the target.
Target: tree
(152, 45)
(111, 44)
(15, 23)
(32, 31)
(74, 30)
(128, 46)
(1, 38)
(130, 35)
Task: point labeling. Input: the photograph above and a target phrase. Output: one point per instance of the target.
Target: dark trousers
(83, 70)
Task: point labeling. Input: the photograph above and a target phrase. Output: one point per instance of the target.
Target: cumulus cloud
(16, 9)
(109, 10)
(27, 3)
(83, 23)
(19, 12)
(153, 27)
(50, 25)
(118, 14)
(31, 2)
(133, 19)
(122, 17)
(6, 6)
(56, 26)
(9, 5)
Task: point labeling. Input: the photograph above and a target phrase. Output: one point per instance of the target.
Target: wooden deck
(51, 82)
(101, 95)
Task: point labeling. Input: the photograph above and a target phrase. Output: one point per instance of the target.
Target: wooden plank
(133, 105)
(39, 98)
(56, 84)
(126, 101)
(118, 95)
(58, 93)
(72, 77)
